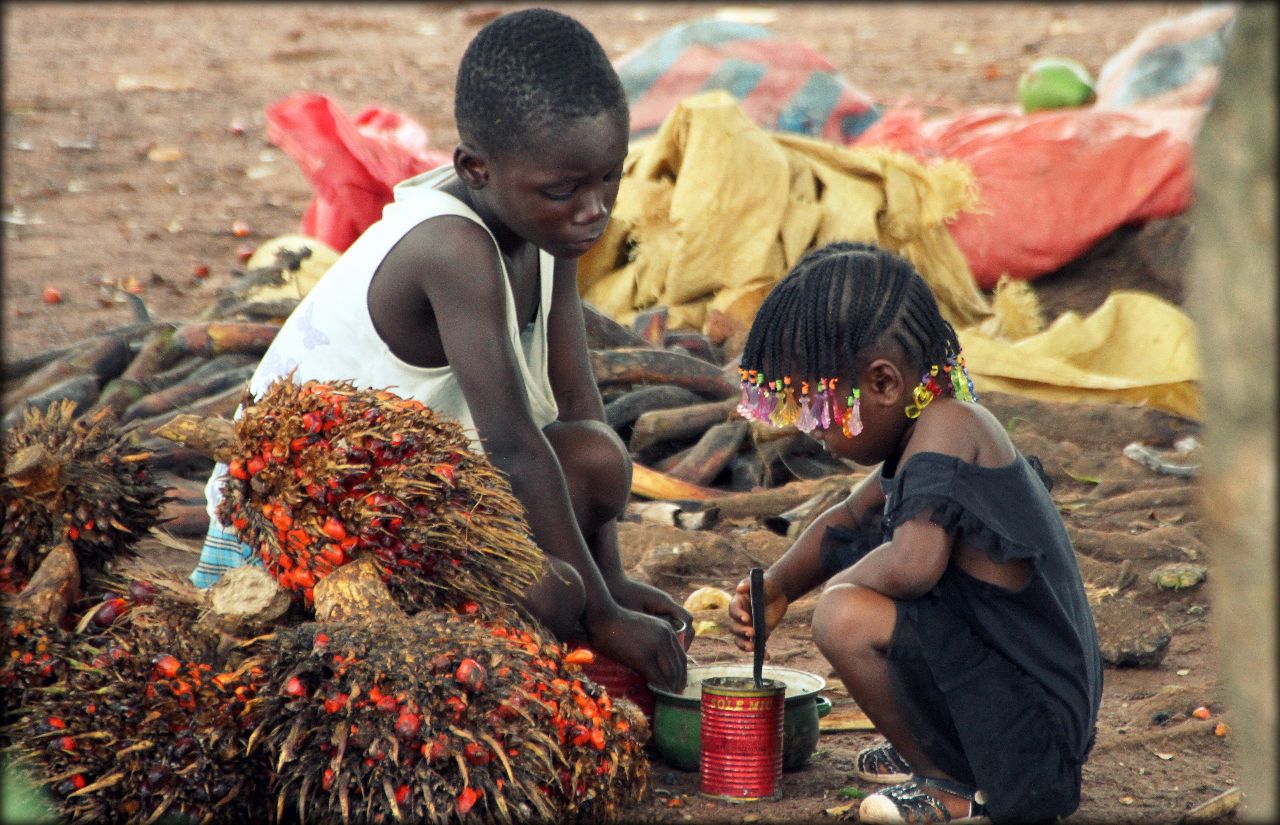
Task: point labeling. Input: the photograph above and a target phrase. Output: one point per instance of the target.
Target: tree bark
(1232, 296)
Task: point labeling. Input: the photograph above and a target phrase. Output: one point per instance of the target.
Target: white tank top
(330, 335)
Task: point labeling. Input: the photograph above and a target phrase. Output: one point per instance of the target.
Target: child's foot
(883, 764)
(924, 801)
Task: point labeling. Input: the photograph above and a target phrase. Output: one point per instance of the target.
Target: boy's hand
(645, 598)
(775, 607)
(643, 643)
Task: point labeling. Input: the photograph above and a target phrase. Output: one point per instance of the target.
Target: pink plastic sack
(351, 164)
(1053, 182)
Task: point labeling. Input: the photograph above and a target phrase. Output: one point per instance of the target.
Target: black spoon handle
(757, 624)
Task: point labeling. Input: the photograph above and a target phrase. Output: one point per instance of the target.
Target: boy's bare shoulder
(449, 259)
(445, 241)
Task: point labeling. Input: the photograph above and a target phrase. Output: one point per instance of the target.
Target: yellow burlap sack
(1136, 348)
(714, 210)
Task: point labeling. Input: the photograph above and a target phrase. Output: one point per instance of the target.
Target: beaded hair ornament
(773, 401)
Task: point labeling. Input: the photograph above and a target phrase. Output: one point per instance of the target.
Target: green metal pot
(677, 717)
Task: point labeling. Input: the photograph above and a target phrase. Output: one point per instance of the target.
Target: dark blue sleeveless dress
(1000, 687)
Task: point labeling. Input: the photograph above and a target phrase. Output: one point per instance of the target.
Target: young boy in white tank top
(464, 296)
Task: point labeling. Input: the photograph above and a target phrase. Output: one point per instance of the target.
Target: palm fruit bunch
(442, 717)
(81, 479)
(149, 718)
(34, 656)
(323, 473)
(144, 608)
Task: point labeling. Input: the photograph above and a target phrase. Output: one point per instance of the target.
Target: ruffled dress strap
(1005, 511)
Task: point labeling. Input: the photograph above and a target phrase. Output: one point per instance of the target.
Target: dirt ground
(134, 139)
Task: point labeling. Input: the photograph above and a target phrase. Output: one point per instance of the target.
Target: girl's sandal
(883, 764)
(911, 804)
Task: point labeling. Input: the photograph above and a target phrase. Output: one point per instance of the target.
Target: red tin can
(741, 738)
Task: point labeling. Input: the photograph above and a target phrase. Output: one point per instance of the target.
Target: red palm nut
(470, 674)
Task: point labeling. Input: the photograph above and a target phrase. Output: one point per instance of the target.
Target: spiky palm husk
(102, 498)
(34, 656)
(146, 608)
(37, 653)
(150, 718)
(440, 718)
(325, 473)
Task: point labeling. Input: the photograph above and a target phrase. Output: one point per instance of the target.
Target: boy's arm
(568, 363)
(573, 381)
(459, 272)
(578, 396)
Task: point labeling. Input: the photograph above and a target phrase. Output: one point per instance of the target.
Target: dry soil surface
(135, 140)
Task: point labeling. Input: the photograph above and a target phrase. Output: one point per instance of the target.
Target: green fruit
(1054, 83)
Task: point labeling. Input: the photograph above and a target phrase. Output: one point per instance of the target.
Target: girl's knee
(849, 616)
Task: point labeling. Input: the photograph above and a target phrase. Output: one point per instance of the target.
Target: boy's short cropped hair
(528, 72)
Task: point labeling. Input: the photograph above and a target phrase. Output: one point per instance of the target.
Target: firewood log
(168, 377)
(217, 337)
(183, 490)
(631, 405)
(187, 392)
(711, 454)
(185, 519)
(694, 343)
(22, 367)
(220, 404)
(259, 311)
(603, 332)
(651, 325)
(156, 353)
(82, 389)
(105, 358)
(652, 484)
(181, 461)
(761, 503)
(679, 422)
(636, 365)
(223, 363)
(793, 522)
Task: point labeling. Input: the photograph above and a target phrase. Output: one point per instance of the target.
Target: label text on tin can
(740, 703)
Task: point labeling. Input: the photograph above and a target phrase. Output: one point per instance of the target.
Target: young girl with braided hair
(953, 607)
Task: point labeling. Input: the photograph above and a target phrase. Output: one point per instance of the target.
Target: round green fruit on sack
(1054, 83)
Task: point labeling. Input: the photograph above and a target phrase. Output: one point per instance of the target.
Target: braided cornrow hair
(527, 72)
(836, 303)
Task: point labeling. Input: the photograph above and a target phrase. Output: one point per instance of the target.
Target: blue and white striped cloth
(222, 551)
